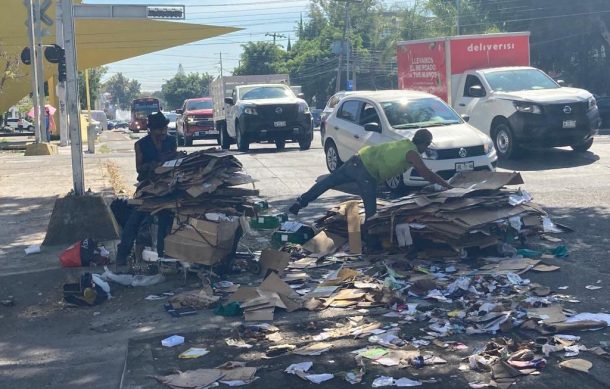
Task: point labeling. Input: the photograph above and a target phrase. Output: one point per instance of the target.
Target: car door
(472, 105)
(180, 120)
(230, 111)
(346, 128)
(370, 114)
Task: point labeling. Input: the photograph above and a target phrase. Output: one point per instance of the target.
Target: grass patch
(104, 149)
(116, 179)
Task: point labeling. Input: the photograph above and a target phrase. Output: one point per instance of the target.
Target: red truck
(195, 121)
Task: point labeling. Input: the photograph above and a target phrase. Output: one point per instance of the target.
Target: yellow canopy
(98, 42)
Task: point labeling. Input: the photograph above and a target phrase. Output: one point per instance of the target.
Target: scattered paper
(239, 343)
(194, 352)
(298, 367)
(319, 378)
(172, 341)
(593, 287)
(577, 364)
(33, 249)
(313, 349)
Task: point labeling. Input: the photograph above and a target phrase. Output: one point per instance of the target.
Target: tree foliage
(122, 90)
(579, 55)
(95, 84)
(9, 67)
(185, 86)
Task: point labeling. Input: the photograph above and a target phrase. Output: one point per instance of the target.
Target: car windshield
(426, 112)
(193, 105)
(520, 79)
(171, 117)
(267, 92)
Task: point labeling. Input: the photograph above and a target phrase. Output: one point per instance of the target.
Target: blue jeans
(351, 171)
(130, 232)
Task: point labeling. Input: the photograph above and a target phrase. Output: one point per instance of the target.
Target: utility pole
(76, 141)
(274, 35)
(29, 4)
(343, 45)
(61, 85)
(457, 17)
(40, 72)
(220, 63)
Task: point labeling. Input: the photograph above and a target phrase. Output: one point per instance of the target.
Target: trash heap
(202, 189)
(200, 182)
(477, 212)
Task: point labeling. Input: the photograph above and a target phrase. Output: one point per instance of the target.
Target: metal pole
(40, 72)
(220, 64)
(32, 36)
(61, 85)
(72, 99)
(457, 17)
(338, 83)
(347, 48)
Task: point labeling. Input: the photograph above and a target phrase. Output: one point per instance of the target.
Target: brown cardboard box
(201, 241)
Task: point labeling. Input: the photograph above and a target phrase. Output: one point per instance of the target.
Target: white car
(19, 124)
(370, 118)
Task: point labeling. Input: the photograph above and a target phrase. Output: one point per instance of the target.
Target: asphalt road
(46, 345)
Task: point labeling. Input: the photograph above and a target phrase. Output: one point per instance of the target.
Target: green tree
(95, 83)
(122, 90)
(182, 87)
(9, 68)
(261, 58)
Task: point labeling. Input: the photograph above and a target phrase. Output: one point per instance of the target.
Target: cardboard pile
(475, 213)
(203, 180)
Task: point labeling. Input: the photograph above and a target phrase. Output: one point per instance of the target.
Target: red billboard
(421, 66)
(488, 51)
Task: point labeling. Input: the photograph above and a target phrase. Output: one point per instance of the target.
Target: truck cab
(522, 105)
(266, 112)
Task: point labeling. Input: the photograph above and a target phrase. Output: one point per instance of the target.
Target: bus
(140, 109)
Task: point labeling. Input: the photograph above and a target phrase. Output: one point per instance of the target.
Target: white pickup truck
(487, 79)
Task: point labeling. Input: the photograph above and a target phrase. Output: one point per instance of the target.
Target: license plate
(279, 124)
(464, 166)
(210, 132)
(569, 124)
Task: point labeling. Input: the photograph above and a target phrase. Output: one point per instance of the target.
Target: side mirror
(372, 127)
(179, 111)
(229, 100)
(465, 117)
(301, 95)
(561, 82)
(476, 91)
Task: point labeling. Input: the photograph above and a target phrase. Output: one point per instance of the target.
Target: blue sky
(256, 17)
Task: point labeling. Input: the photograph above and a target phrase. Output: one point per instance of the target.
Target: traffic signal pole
(61, 83)
(76, 140)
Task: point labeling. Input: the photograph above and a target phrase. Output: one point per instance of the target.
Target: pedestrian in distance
(374, 164)
(151, 151)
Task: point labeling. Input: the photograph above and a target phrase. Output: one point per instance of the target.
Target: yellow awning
(99, 42)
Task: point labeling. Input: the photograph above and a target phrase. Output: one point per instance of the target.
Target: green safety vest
(387, 160)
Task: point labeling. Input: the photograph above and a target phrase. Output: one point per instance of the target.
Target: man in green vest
(373, 164)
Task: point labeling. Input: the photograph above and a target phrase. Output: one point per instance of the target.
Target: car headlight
(250, 111)
(303, 108)
(190, 119)
(592, 103)
(430, 154)
(522, 106)
(488, 146)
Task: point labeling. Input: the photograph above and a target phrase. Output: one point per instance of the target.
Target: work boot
(295, 208)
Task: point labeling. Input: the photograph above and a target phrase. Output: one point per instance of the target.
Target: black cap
(157, 121)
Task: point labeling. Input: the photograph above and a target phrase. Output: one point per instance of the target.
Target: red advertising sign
(421, 66)
(488, 51)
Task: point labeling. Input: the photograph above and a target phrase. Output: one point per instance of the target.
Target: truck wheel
(582, 147)
(305, 142)
(333, 162)
(396, 184)
(223, 137)
(504, 141)
(280, 144)
(242, 142)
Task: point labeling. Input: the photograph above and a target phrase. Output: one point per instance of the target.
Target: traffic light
(61, 69)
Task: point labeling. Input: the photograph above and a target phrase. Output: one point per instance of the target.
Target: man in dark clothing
(151, 151)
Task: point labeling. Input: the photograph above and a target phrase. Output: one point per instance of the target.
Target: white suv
(369, 118)
(19, 124)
